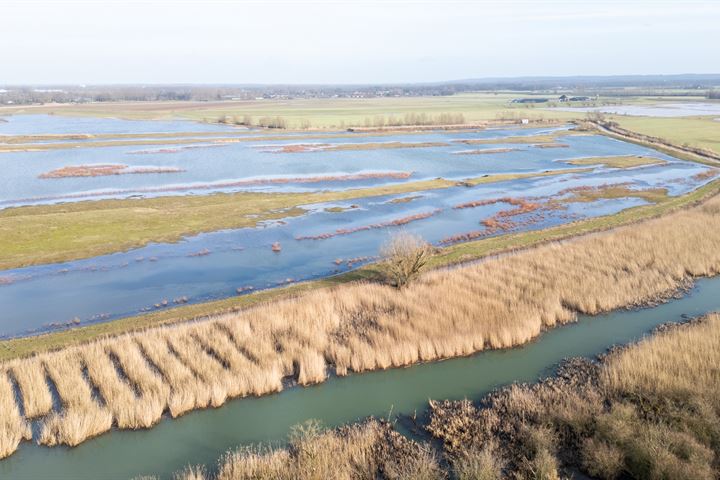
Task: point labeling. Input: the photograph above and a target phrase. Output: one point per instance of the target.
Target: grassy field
(703, 132)
(321, 113)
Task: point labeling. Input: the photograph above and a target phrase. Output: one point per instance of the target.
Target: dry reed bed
(646, 411)
(130, 380)
(366, 451)
(651, 411)
(397, 222)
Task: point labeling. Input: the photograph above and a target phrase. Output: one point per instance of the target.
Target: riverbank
(645, 411)
(503, 302)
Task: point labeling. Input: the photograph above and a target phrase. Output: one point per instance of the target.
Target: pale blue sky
(164, 41)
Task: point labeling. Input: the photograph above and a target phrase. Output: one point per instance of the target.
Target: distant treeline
(713, 94)
(604, 85)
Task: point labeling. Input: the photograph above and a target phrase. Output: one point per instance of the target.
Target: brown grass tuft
(13, 428)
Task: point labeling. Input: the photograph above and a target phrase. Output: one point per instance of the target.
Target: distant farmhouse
(565, 98)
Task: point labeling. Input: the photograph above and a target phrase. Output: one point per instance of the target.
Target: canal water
(202, 436)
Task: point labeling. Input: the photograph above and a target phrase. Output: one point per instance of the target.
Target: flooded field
(662, 110)
(502, 180)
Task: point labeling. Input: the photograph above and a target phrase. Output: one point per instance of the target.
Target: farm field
(320, 113)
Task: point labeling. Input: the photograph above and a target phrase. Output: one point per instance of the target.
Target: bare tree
(405, 256)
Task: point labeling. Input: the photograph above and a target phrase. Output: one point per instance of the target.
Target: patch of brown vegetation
(368, 450)
(298, 148)
(391, 223)
(105, 170)
(608, 191)
(13, 427)
(501, 221)
(407, 199)
(706, 175)
(339, 147)
(521, 139)
(551, 145)
(486, 151)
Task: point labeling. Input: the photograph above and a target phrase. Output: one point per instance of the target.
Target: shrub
(405, 255)
(479, 463)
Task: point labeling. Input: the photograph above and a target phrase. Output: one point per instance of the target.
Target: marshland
(132, 380)
(105, 260)
(492, 278)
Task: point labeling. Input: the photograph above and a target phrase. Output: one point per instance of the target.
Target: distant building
(565, 98)
(524, 121)
(530, 100)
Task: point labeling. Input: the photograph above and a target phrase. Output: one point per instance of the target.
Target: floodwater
(660, 110)
(201, 437)
(317, 244)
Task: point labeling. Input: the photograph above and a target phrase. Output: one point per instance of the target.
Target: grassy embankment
(503, 302)
(649, 411)
(627, 161)
(522, 139)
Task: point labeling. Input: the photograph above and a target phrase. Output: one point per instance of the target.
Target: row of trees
(378, 121)
(410, 119)
(264, 122)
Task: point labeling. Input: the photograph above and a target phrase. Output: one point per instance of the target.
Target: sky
(392, 41)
